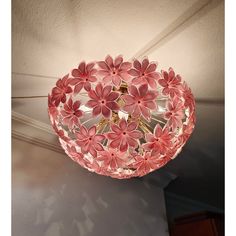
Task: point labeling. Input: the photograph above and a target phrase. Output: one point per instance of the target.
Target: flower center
(124, 133)
(112, 154)
(139, 101)
(113, 72)
(102, 101)
(143, 74)
(90, 138)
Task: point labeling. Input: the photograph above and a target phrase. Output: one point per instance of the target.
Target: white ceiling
(49, 38)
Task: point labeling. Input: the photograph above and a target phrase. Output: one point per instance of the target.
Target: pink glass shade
(122, 119)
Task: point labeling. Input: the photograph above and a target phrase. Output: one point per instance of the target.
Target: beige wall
(53, 196)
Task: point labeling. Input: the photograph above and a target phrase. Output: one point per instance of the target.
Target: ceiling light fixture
(122, 119)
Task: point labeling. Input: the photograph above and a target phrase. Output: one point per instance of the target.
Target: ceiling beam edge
(193, 13)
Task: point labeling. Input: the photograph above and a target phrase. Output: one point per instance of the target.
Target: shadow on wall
(53, 196)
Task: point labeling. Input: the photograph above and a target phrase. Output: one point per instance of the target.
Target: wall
(179, 206)
(53, 196)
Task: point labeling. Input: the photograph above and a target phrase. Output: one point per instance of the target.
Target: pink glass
(122, 119)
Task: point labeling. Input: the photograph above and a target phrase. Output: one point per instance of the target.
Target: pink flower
(89, 141)
(140, 101)
(146, 163)
(174, 114)
(171, 83)
(71, 114)
(62, 88)
(114, 71)
(94, 167)
(103, 100)
(159, 142)
(52, 109)
(60, 133)
(73, 154)
(187, 130)
(111, 158)
(124, 135)
(84, 75)
(188, 97)
(144, 73)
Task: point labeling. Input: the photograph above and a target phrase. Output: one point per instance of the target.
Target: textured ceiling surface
(49, 38)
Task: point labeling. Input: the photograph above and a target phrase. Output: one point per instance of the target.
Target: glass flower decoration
(122, 119)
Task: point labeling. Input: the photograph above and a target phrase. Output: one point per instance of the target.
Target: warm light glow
(122, 119)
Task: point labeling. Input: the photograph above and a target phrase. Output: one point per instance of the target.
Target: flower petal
(123, 124)
(152, 67)
(92, 79)
(109, 61)
(132, 142)
(98, 89)
(123, 145)
(136, 134)
(98, 146)
(136, 111)
(115, 128)
(75, 81)
(75, 73)
(149, 137)
(137, 65)
(118, 60)
(124, 75)
(92, 131)
(145, 64)
(87, 86)
(145, 112)
(82, 67)
(93, 152)
(150, 104)
(112, 96)
(76, 105)
(133, 72)
(78, 113)
(107, 79)
(151, 82)
(106, 111)
(143, 90)
(129, 108)
(90, 66)
(83, 131)
(154, 75)
(158, 131)
(78, 87)
(163, 82)
(103, 65)
(138, 80)
(106, 91)
(92, 103)
(147, 146)
(115, 143)
(103, 72)
(128, 99)
(150, 96)
(98, 137)
(97, 110)
(125, 66)
(112, 135)
(132, 126)
(113, 106)
(133, 91)
(116, 80)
